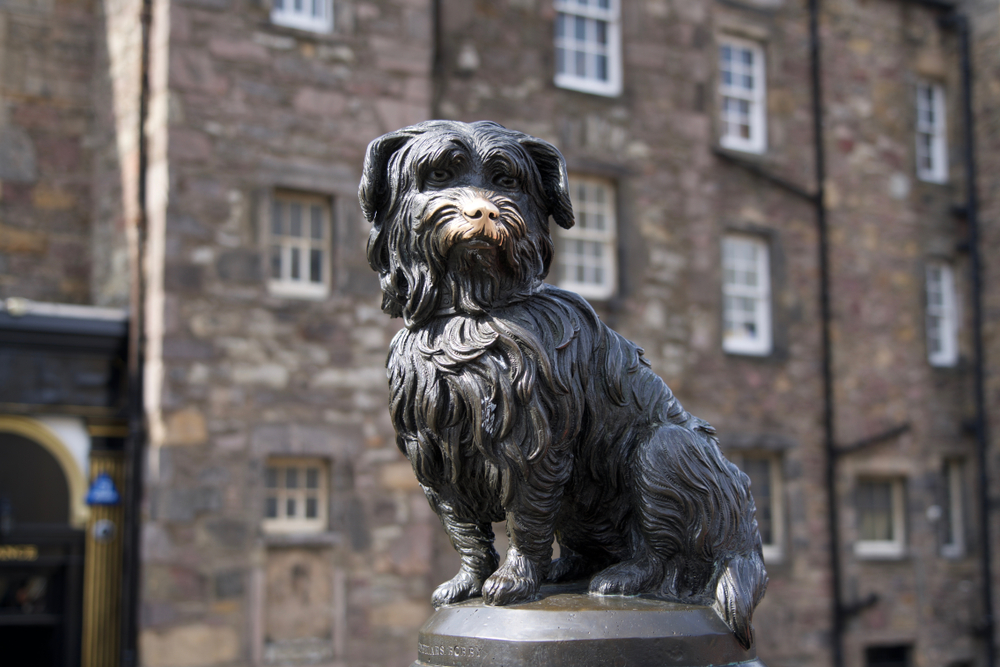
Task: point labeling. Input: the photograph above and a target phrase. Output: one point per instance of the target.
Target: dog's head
(459, 216)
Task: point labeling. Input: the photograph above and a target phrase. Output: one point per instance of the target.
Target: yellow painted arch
(40, 433)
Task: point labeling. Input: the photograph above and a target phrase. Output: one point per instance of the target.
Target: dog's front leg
(530, 527)
(474, 543)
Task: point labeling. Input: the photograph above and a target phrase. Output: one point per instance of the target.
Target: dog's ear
(555, 181)
(375, 190)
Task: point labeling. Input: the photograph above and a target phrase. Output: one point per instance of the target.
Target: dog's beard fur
(444, 271)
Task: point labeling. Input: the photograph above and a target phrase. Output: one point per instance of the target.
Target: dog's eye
(438, 176)
(506, 181)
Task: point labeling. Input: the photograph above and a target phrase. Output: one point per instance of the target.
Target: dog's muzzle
(473, 219)
(481, 216)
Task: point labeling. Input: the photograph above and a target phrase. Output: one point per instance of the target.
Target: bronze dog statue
(512, 400)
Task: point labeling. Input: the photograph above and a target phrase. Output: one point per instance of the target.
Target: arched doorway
(41, 546)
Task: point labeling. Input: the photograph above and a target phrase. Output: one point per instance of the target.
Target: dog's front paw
(517, 580)
(462, 586)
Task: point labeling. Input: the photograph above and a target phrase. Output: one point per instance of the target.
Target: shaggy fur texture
(513, 401)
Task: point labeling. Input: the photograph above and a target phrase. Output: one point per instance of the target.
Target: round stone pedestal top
(569, 627)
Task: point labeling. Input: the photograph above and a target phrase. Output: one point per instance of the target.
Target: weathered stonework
(251, 109)
(677, 199)
(46, 62)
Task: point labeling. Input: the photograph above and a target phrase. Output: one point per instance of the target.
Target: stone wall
(678, 197)
(241, 375)
(47, 52)
(243, 109)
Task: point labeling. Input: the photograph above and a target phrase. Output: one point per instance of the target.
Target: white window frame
(282, 523)
(895, 547)
(285, 285)
(311, 15)
(589, 83)
(941, 314)
(953, 542)
(756, 99)
(585, 205)
(762, 344)
(773, 551)
(933, 130)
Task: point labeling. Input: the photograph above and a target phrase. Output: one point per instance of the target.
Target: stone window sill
(326, 539)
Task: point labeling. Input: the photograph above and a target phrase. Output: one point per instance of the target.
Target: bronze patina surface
(513, 401)
(567, 626)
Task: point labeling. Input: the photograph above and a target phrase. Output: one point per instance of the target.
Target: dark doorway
(32, 481)
(41, 558)
(887, 656)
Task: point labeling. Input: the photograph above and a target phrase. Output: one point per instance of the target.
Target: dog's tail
(741, 586)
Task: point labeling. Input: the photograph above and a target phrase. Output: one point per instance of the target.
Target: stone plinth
(568, 627)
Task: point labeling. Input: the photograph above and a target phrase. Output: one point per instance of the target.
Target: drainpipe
(829, 444)
(437, 59)
(961, 25)
(135, 442)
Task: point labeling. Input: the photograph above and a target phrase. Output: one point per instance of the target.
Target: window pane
(951, 508)
(312, 478)
(759, 472)
(277, 224)
(315, 266)
(298, 5)
(602, 68)
(290, 508)
(586, 253)
(291, 478)
(271, 507)
(295, 220)
(276, 262)
(316, 220)
(295, 273)
(875, 511)
(312, 508)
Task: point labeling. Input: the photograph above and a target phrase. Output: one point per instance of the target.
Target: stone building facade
(280, 525)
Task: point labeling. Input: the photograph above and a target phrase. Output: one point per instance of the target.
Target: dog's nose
(480, 209)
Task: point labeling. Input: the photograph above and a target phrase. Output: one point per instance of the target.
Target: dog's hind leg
(474, 543)
(658, 520)
(638, 574)
(570, 566)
